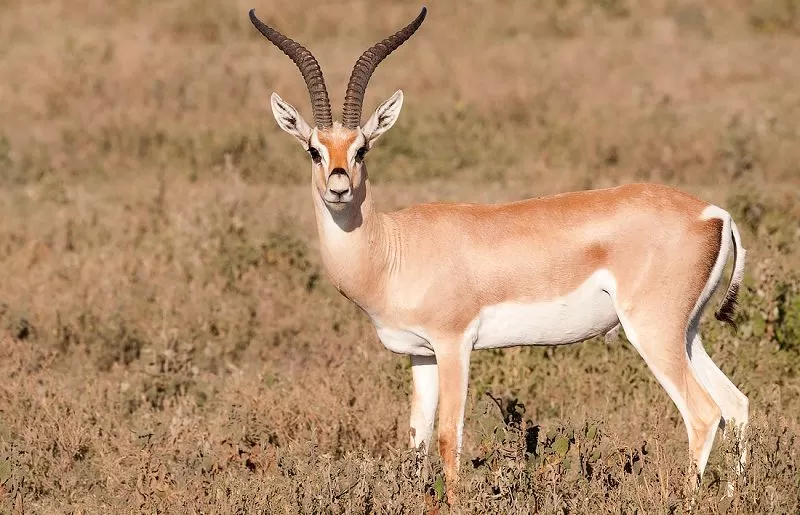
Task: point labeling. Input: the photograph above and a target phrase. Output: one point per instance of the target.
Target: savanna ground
(170, 343)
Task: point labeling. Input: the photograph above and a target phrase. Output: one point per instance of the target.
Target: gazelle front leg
(453, 379)
(424, 398)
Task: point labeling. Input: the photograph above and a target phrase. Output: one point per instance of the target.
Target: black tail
(727, 310)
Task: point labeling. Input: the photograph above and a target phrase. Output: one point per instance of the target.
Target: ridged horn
(309, 67)
(366, 64)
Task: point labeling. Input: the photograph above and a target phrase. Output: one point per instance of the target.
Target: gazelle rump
(441, 280)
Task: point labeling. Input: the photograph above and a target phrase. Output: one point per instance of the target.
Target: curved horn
(309, 67)
(366, 64)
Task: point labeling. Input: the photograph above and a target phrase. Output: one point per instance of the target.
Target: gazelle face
(337, 153)
(337, 157)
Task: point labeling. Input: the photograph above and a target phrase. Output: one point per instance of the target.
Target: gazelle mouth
(331, 197)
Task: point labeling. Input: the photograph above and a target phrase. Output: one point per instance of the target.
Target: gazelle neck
(354, 246)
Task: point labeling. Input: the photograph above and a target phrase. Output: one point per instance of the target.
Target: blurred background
(169, 340)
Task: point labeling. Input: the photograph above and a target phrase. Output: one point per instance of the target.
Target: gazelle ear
(290, 120)
(384, 117)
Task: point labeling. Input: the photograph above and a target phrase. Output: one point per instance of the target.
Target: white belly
(586, 312)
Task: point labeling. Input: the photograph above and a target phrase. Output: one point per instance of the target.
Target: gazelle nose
(338, 182)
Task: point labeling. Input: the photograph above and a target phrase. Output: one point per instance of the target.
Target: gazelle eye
(361, 153)
(314, 153)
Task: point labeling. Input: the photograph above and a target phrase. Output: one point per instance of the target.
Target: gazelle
(441, 280)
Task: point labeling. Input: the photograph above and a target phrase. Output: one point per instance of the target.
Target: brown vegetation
(168, 342)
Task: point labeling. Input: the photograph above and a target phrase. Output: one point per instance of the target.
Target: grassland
(168, 341)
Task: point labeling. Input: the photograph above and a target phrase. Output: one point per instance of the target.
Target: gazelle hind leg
(732, 402)
(664, 351)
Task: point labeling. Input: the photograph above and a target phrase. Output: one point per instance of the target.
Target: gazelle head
(336, 149)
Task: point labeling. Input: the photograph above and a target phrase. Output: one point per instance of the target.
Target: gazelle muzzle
(338, 187)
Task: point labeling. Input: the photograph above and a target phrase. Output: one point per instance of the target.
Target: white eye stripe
(323, 152)
(357, 144)
(322, 149)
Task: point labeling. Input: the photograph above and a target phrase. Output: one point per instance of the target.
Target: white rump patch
(713, 211)
(726, 244)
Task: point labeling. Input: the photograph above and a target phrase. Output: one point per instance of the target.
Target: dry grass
(169, 342)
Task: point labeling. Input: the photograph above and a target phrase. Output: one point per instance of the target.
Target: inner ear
(290, 120)
(384, 117)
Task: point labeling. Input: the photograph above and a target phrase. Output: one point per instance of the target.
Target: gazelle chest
(409, 341)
